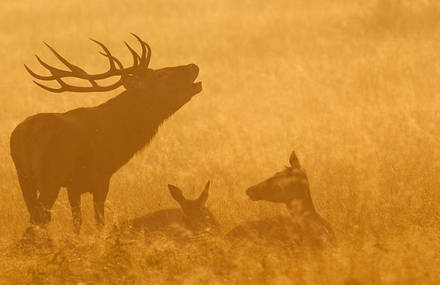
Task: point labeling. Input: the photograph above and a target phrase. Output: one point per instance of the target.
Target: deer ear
(176, 193)
(293, 160)
(204, 195)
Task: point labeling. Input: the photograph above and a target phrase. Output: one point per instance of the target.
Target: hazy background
(352, 86)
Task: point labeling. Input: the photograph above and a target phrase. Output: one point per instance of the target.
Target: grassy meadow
(352, 86)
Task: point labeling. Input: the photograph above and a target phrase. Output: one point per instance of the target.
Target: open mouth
(197, 86)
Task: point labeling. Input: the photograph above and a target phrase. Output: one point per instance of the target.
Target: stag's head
(166, 86)
(196, 215)
(289, 186)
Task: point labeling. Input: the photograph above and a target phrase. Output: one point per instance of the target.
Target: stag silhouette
(81, 149)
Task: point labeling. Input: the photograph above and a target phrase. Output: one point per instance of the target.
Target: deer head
(289, 186)
(196, 216)
(170, 85)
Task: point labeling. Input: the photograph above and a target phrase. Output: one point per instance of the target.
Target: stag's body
(82, 148)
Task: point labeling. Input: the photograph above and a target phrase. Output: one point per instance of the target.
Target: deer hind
(82, 148)
(304, 225)
(191, 220)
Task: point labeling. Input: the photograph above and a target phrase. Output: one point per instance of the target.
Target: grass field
(352, 86)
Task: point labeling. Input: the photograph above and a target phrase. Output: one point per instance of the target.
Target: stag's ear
(176, 193)
(204, 195)
(130, 81)
(293, 160)
(138, 80)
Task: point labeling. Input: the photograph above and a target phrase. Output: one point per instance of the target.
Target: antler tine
(145, 59)
(38, 76)
(136, 57)
(55, 90)
(108, 54)
(71, 66)
(149, 54)
(112, 58)
(53, 70)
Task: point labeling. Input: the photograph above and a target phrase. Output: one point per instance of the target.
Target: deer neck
(304, 208)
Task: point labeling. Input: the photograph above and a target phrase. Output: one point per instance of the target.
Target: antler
(144, 58)
(77, 72)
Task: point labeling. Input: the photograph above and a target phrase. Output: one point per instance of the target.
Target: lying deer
(192, 219)
(304, 225)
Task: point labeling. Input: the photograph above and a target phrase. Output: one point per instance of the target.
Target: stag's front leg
(75, 204)
(99, 197)
(48, 196)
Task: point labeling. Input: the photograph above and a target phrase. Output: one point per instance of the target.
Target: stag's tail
(20, 157)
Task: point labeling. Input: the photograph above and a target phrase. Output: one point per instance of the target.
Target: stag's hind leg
(99, 196)
(75, 204)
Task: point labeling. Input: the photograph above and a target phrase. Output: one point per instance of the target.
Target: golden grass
(352, 86)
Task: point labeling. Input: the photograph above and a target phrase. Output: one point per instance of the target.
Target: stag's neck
(129, 111)
(128, 124)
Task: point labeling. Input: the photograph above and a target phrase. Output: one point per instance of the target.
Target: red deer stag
(304, 225)
(193, 219)
(82, 148)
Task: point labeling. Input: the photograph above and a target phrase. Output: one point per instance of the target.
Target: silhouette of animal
(192, 219)
(81, 149)
(304, 224)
